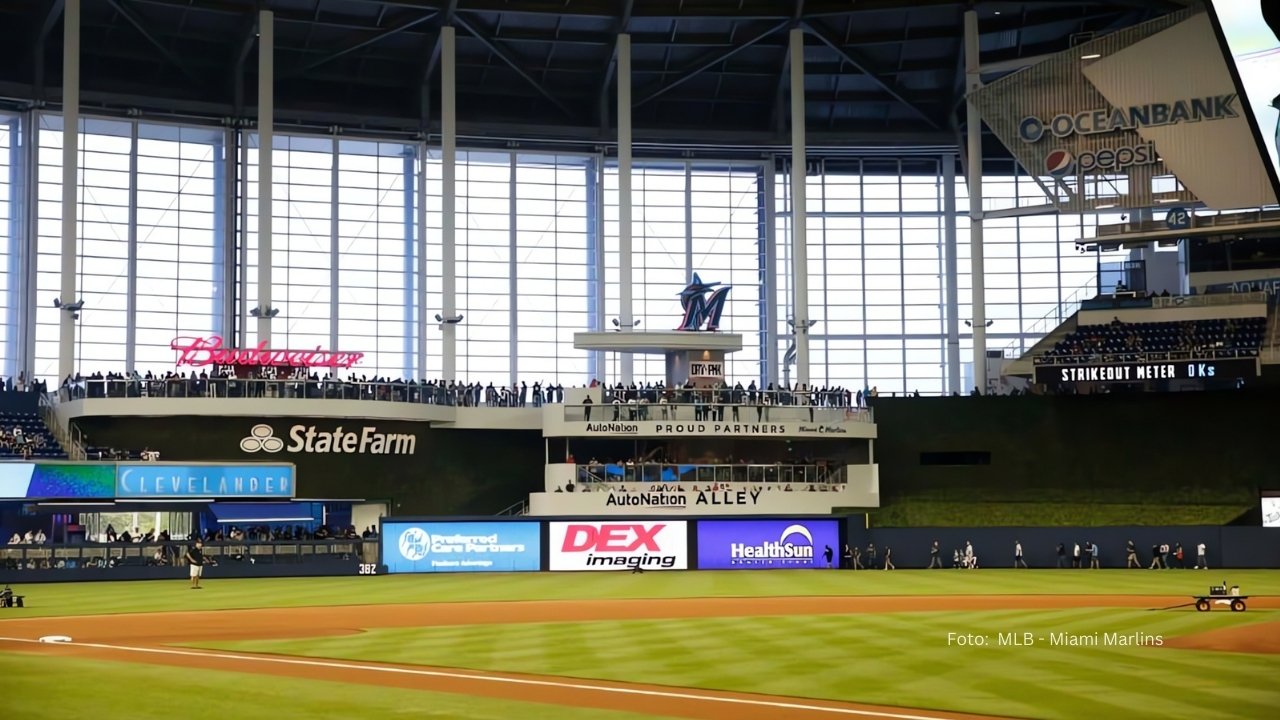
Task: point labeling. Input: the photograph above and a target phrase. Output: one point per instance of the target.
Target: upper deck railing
(715, 412)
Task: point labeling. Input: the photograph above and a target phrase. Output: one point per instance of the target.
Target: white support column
(952, 309)
(70, 186)
(513, 273)
(626, 308)
(688, 222)
(799, 247)
(770, 272)
(335, 256)
(131, 262)
(424, 312)
(28, 186)
(973, 80)
(242, 208)
(448, 202)
(266, 134)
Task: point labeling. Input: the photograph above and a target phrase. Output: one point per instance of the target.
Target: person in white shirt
(40, 537)
(16, 539)
(1017, 555)
(1202, 562)
(1075, 556)
(29, 538)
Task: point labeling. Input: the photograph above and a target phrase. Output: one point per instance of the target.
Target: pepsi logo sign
(1058, 162)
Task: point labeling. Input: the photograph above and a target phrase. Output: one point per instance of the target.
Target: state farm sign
(621, 545)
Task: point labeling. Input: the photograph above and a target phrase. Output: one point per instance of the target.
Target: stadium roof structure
(879, 73)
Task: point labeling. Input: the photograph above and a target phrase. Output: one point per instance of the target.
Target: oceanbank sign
(307, 439)
(1059, 162)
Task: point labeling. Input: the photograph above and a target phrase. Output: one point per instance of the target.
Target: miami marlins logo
(702, 305)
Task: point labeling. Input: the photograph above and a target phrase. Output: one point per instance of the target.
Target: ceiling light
(1091, 56)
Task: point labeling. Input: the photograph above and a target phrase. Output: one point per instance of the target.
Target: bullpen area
(910, 644)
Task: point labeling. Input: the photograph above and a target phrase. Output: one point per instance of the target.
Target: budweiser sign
(198, 352)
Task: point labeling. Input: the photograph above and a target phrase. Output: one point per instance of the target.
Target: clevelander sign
(410, 547)
(152, 480)
(766, 544)
(618, 545)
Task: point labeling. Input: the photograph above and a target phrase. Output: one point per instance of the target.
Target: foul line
(484, 678)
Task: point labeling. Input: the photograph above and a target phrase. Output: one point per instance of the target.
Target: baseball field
(911, 645)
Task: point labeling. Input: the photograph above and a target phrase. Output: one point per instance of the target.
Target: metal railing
(1146, 357)
(171, 554)
(1041, 328)
(733, 396)
(675, 474)
(1210, 300)
(69, 438)
(825, 419)
(256, 389)
(1199, 221)
(520, 508)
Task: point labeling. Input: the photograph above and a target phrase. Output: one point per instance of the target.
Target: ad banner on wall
(425, 547)
(766, 544)
(619, 545)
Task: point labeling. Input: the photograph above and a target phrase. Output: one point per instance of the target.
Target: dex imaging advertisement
(766, 544)
(1250, 30)
(619, 545)
(424, 547)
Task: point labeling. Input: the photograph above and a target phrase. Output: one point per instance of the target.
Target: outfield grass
(157, 596)
(37, 687)
(896, 658)
(892, 659)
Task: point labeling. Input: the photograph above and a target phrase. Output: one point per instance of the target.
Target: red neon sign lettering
(611, 538)
(199, 352)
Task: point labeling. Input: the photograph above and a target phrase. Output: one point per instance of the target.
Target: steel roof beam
(369, 38)
(51, 17)
(619, 28)
(139, 25)
(248, 38)
(855, 58)
(506, 57)
(707, 62)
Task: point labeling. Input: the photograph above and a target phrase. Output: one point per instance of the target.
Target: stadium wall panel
(1226, 547)
(449, 472)
(1164, 448)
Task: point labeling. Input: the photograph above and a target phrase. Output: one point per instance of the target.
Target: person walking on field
(1075, 556)
(1131, 551)
(888, 558)
(1201, 560)
(934, 560)
(195, 558)
(1062, 555)
(848, 557)
(1093, 556)
(1017, 555)
(827, 555)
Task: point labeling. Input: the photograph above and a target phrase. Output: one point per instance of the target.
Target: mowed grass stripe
(38, 687)
(894, 659)
(223, 594)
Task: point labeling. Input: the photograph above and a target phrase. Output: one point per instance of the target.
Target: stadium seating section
(22, 430)
(1243, 335)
